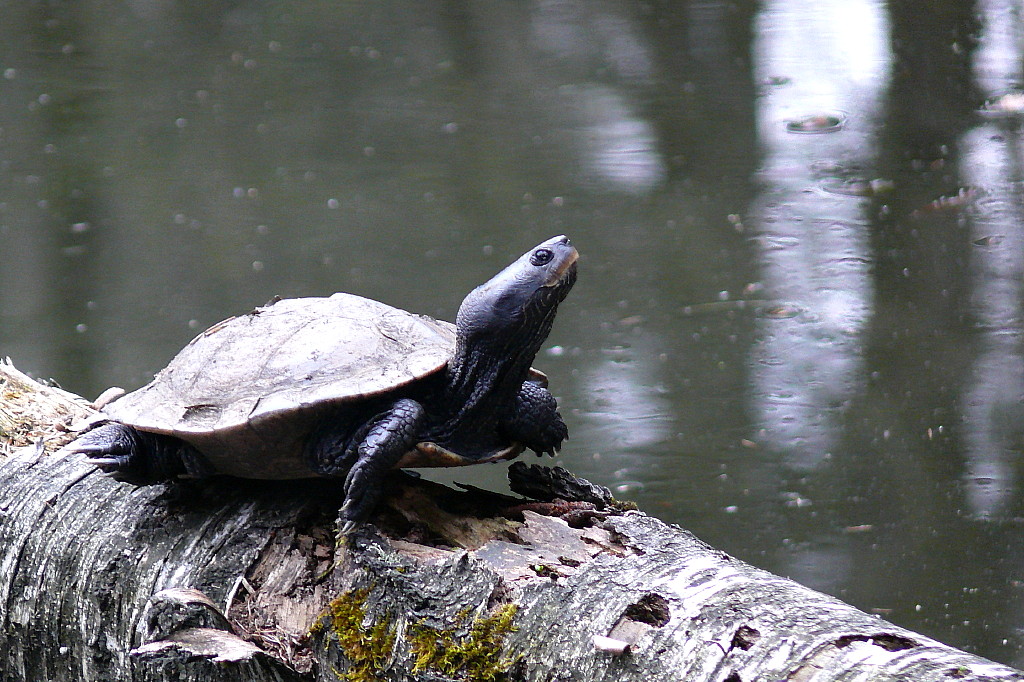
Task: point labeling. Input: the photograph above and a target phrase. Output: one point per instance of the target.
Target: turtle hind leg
(137, 456)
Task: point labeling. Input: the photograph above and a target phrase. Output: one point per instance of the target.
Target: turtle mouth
(565, 273)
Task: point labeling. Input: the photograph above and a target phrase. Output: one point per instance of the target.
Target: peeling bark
(230, 580)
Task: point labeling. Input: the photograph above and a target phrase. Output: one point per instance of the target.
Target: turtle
(350, 388)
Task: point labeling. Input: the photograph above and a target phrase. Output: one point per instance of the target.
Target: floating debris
(795, 500)
(631, 321)
(1005, 105)
(859, 187)
(963, 196)
(781, 311)
(990, 240)
(828, 122)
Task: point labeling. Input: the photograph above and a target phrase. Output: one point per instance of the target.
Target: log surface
(228, 580)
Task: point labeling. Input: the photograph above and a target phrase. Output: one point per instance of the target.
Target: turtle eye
(541, 257)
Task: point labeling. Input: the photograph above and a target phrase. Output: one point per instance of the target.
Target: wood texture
(231, 580)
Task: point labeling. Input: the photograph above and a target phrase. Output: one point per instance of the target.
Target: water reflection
(620, 147)
(600, 35)
(814, 246)
(992, 158)
(628, 417)
(789, 343)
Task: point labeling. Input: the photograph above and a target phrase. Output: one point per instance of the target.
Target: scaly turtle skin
(350, 388)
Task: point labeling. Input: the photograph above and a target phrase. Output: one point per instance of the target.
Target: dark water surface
(807, 348)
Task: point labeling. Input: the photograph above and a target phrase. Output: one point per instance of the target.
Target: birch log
(228, 580)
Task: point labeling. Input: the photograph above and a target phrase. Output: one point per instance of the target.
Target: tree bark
(242, 580)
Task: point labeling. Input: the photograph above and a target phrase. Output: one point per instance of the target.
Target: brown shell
(246, 391)
(288, 356)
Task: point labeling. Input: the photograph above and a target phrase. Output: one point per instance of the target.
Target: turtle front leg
(138, 457)
(535, 420)
(376, 449)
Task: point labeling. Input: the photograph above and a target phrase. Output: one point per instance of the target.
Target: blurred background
(797, 328)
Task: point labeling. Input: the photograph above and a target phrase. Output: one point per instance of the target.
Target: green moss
(471, 650)
(367, 649)
(475, 655)
(624, 505)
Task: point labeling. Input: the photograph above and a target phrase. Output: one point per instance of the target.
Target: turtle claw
(114, 461)
(87, 449)
(107, 464)
(131, 455)
(350, 518)
(355, 511)
(110, 447)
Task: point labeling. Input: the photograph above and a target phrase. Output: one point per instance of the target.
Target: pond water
(797, 329)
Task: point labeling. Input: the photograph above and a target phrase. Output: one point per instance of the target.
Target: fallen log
(229, 580)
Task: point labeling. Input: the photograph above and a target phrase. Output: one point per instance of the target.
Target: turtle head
(499, 329)
(513, 312)
(502, 324)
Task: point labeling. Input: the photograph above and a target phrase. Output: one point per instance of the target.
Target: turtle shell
(247, 391)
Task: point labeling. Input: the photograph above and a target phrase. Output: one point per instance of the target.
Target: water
(804, 347)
